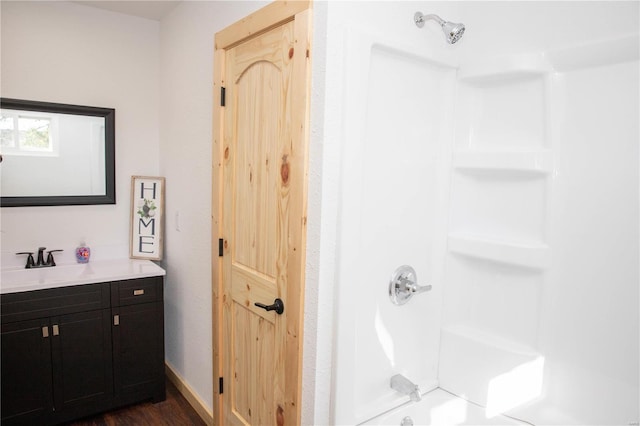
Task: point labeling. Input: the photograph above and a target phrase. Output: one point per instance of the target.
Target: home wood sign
(147, 217)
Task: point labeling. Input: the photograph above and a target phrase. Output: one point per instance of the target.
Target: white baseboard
(188, 393)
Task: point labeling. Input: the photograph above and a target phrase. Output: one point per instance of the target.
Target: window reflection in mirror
(55, 154)
(23, 133)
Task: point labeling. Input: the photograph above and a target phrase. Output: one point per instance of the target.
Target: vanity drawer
(55, 301)
(133, 292)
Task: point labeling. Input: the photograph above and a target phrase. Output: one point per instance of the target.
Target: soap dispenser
(83, 253)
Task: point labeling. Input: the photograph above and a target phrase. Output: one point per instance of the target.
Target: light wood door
(262, 216)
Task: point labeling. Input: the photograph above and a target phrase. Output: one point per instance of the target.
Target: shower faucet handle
(403, 285)
(413, 287)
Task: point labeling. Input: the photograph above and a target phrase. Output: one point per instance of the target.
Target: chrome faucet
(406, 386)
(41, 263)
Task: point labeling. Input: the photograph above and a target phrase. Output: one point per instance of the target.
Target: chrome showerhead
(452, 31)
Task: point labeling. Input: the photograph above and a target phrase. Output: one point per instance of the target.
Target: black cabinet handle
(277, 306)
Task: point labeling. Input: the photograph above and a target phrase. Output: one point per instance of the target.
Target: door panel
(256, 218)
(254, 358)
(259, 214)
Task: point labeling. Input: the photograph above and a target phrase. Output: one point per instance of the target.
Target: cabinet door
(82, 360)
(26, 371)
(138, 339)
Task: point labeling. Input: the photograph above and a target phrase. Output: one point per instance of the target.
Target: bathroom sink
(17, 277)
(14, 280)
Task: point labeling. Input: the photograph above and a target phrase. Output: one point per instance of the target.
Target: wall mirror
(56, 154)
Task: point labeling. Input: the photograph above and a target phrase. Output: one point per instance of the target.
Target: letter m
(151, 223)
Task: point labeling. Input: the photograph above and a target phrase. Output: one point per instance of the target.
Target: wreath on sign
(146, 208)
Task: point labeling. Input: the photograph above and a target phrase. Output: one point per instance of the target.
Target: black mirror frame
(109, 114)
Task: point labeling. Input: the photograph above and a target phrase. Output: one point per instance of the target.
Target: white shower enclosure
(504, 170)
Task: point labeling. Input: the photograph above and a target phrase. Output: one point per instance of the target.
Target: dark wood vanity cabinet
(75, 351)
(26, 378)
(138, 340)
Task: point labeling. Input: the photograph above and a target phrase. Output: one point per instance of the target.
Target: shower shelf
(595, 54)
(538, 162)
(505, 68)
(485, 364)
(529, 254)
(476, 335)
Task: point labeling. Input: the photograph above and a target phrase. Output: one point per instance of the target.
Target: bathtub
(441, 408)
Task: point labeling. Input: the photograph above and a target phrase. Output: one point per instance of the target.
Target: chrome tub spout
(405, 386)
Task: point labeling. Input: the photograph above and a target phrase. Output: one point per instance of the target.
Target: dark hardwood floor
(174, 411)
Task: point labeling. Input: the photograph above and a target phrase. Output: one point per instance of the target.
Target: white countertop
(13, 280)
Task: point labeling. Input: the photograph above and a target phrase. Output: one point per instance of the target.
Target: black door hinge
(221, 385)
(220, 247)
(222, 95)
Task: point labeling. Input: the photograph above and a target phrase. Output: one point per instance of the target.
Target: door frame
(270, 16)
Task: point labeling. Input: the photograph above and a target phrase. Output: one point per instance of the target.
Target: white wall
(186, 91)
(321, 229)
(68, 53)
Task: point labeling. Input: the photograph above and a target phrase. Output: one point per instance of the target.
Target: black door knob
(277, 306)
